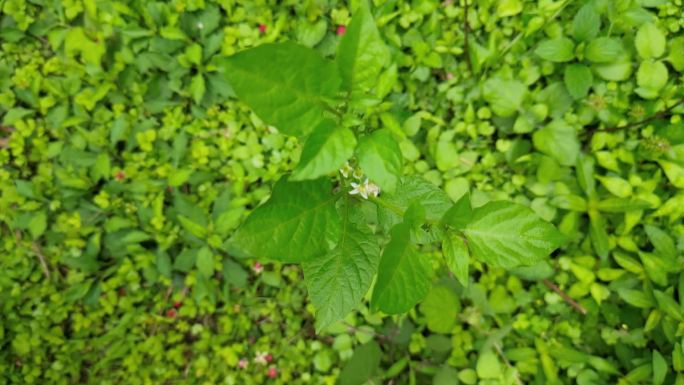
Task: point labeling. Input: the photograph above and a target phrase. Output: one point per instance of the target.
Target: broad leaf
(325, 151)
(507, 234)
(460, 213)
(457, 257)
(297, 223)
(603, 50)
(556, 50)
(558, 140)
(578, 80)
(586, 23)
(362, 366)
(413, 189)
(338, 281)
(504, 96)
(649, 41)
(361, 53)
(380, 159)
(441, 308)
(403, 274)
(286, 84)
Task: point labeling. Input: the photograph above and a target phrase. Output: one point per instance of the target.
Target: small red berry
(171, 313)
(120, 175)
(177, 304)
(269, 357)
(272, 372)
(262, 28)
(341, 29)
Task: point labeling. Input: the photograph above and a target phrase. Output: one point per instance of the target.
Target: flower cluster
(366, 188)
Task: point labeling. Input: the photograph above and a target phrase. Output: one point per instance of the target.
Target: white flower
(346, 170)
(260, 358)
(200, 25)
(365, 189)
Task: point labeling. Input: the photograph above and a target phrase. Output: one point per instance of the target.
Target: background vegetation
(126, 163)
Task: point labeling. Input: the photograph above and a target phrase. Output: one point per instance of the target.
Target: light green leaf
(674, 173)
(403, 275)
(338, 280)
(326, 150)
(558, 140)
(662, 242)
(197, 88)
(507, 234)
(649, 41)
(380, 159)
(441, 308)
(460, 214)
(616, 185)
(299, 222)
(457, 257)
(676, 56)
(38, 224)
(286, 84)
(603, 50)
(506, 8)
(585, 175)
(362, 366)
(660, 368)
(578, 80)
(636, 298)
(668, 305)
(598, 233)
(205, 262)
(556, 50)
(414, 189)
(488, 365)
(361, 53)
(617, 70)
(651, 77)
(586, 23)
(504, 96)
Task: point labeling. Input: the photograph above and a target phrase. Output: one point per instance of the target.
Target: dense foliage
(127, 163)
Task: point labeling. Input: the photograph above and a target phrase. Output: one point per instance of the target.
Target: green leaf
(338, 280)
(676, 56)
(558, 140)
(441, 307)
(286, 84)
(578, 80)
(380, 158)
(668, 305)
(459, 215)
(504, 96)
(362, 366)
(403, 275)
(488, 365)
(598, 234)
(674, 173)
(650, 41)
(660, 368)
(506, 8)
(585, 175)
(299, 222)
(205, 262)
(38, 224)
(326, 150)
(603, 50)
(507, 234)
(616, 185)
(414, 189)
(361, 54)
(457, 257)
(586, 23)
(636, 298)
(556, 50)
(197, 88)
(663, 243)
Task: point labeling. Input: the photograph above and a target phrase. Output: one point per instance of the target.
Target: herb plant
(367, 222)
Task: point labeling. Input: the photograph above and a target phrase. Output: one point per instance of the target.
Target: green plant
(369, 218)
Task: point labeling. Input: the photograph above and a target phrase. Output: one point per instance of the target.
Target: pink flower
(272, 372)
(262, 28)
(120, 175)
(242, 364)
(341, 29)
(258, 267)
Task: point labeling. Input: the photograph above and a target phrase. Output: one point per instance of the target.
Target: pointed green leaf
(403, 275)
(578, 80)
(338, 280)
(380, 159)
(663, 243)
(585, 175)
(205, 262)
(660, 368)
(325, 151)
(286, 84)
(457, 256)
(413, 189)
(299, 222)
(504, 96)
(587, 23)
(556, 50)
(507, 234)
(598, 234)
(441, 308)
(459, 214)
(361, 54)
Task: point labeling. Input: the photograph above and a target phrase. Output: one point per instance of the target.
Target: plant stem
(565, 297)
(381, 202)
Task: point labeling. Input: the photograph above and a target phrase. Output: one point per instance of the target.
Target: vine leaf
(299, 222)
(326, 150)
(286, 84)
(507, 235)
(338, 281)
(403, 275)
(380, 158)
(361, 54)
